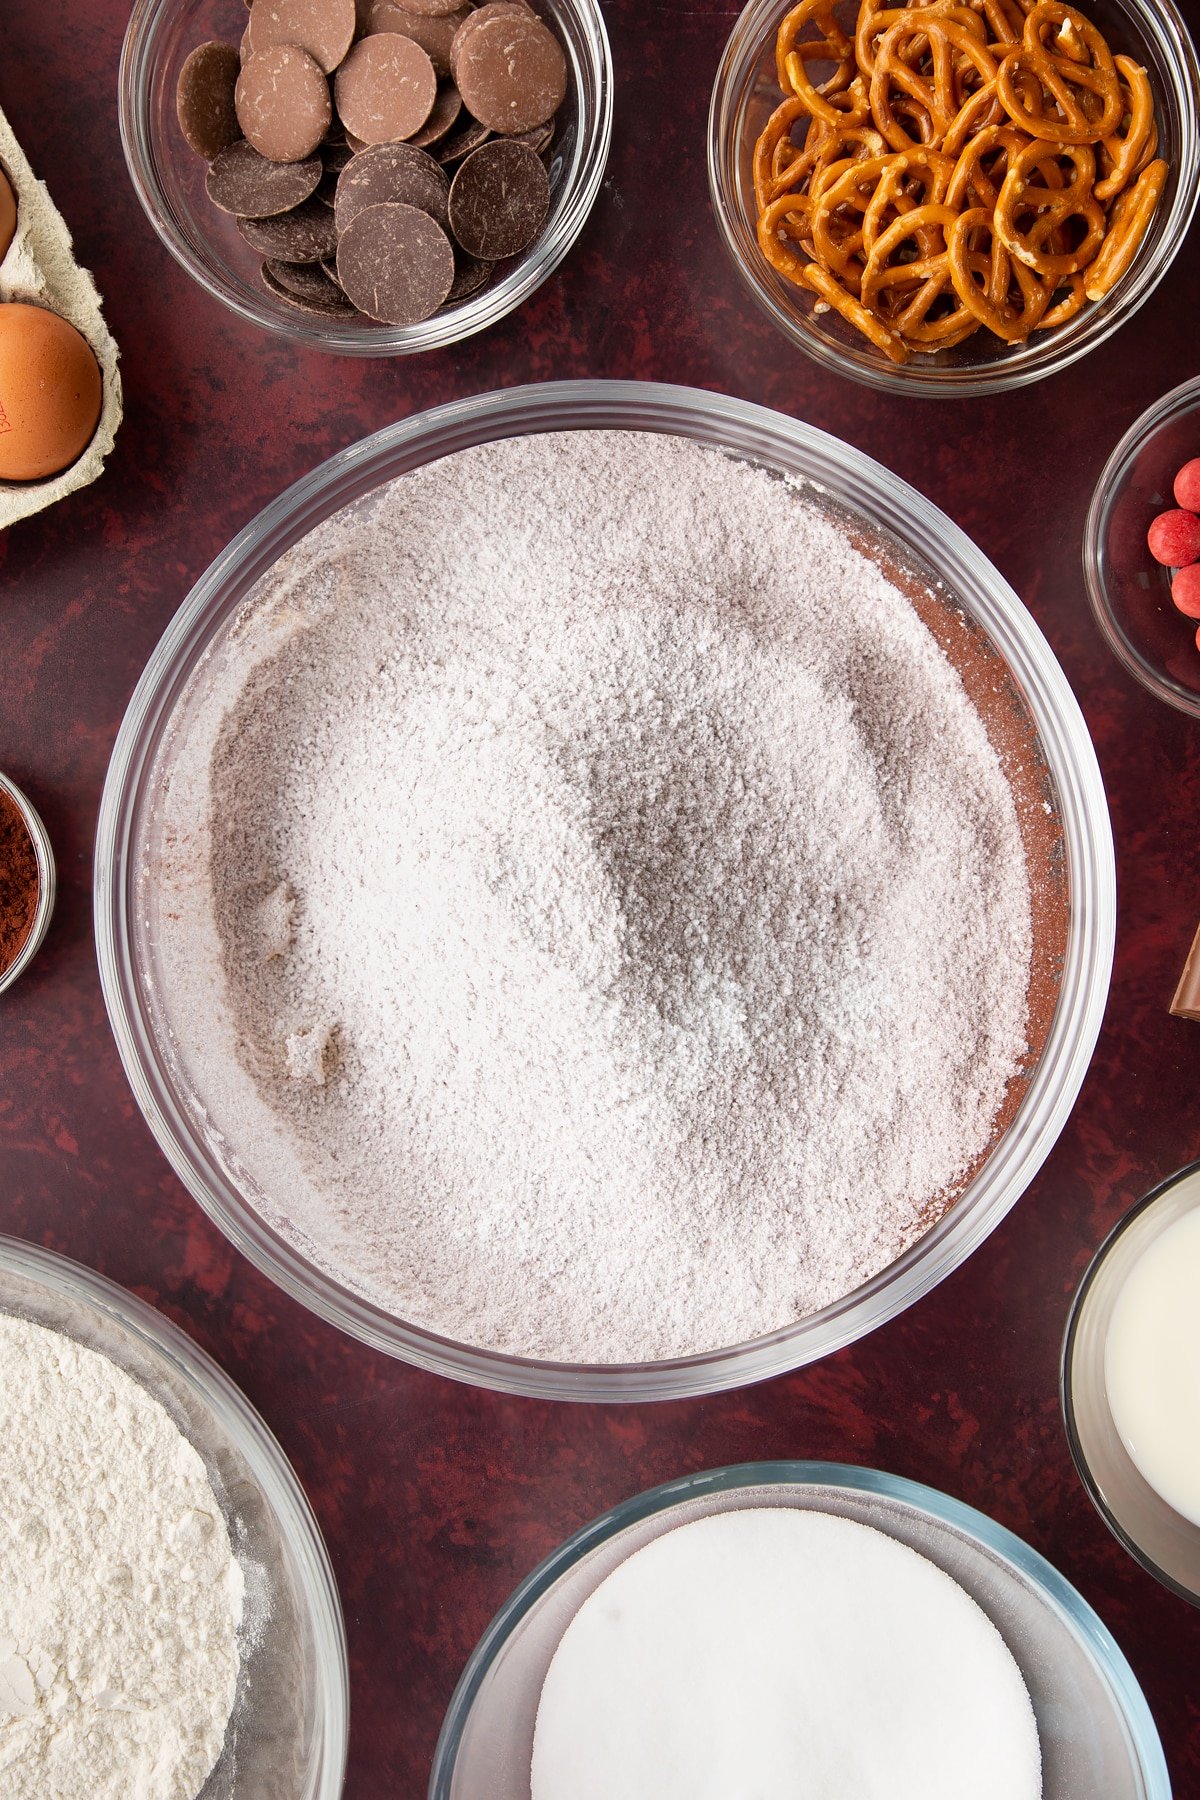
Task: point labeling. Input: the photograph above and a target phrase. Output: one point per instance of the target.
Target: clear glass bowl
(1016, 673)
(288, 1731)
(745, 95)
(1097, 1735)
(1162, 1540)
(168, 178)
(1130, 592)
(44, 851)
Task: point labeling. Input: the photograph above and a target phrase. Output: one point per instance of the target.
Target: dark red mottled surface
(435, 1499)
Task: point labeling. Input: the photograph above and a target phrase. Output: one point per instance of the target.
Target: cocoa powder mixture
(620, 915)
(20, 884)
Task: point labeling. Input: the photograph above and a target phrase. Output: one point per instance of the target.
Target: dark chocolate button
(242, 182)
(539, 139)
(282, 101)
(447, 110)
(335, 155)
(499, 200)
(435, 9)
(308, 280)
(434, 34)
(511, 72)
(470, 275)
(307, 235)
(385, 89)
(327, 301)
(324, 28)
(396, 264)
(204, 99)
(392, 173)
(461, 142)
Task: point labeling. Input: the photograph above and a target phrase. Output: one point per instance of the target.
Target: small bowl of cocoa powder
(26, 882)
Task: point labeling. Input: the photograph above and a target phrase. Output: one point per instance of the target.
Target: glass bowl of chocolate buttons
(365, 176)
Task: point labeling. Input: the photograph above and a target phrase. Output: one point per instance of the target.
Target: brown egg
(8, 214)
(50, 392)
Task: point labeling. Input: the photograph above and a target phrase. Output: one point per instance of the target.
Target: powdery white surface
(787, 1655)
(120, 1596)
(590, 910)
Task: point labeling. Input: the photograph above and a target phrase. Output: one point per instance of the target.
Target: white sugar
(780, 1654)
(622, 917)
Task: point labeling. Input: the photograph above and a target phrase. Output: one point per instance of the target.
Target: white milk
(1152, 1364)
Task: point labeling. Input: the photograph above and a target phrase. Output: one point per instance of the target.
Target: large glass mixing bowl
(1007, 667)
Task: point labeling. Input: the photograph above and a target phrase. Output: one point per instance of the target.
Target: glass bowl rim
(43, 850)
(1066, 1382)
(478, 313)
(1163, 20)
(714, 419)
(1108, 1658)
(245, 1428)
(1173, 404)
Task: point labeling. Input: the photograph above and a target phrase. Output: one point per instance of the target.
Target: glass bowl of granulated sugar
(604, 892)
(171, 1617)
(795, 1627)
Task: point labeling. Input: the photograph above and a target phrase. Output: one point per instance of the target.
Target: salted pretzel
(954, 166)
(1128, 221)
(1071, 93)
(1125, 151)
(1049, 208)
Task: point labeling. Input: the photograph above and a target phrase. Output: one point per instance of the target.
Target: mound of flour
(620, 921)
(120, 1597)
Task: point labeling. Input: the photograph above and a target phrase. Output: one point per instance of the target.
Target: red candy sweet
(1174, 538)
(1185, 590)
(1187, 485)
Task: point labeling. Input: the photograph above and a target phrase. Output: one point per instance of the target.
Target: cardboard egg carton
(40, 268)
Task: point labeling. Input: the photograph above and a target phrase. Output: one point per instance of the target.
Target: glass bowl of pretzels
(955, 197)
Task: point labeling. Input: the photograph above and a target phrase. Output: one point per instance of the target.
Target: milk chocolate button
(325, 28)
(447, 109)
(204, 99)
(391, 172)
(435, 35)
(385, 89)
(492, 9)
(499, 200)
(242, 182)
(308, 286)
(396, 264)
(282, 101)
(511, 72)
(306, 235)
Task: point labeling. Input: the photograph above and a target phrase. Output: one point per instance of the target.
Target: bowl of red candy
(1141, 549)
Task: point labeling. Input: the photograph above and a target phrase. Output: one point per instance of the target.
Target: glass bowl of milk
(1131, 1382)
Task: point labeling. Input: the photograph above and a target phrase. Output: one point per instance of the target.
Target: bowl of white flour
(797, 1627)
(602, 891)
(170, 1628)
